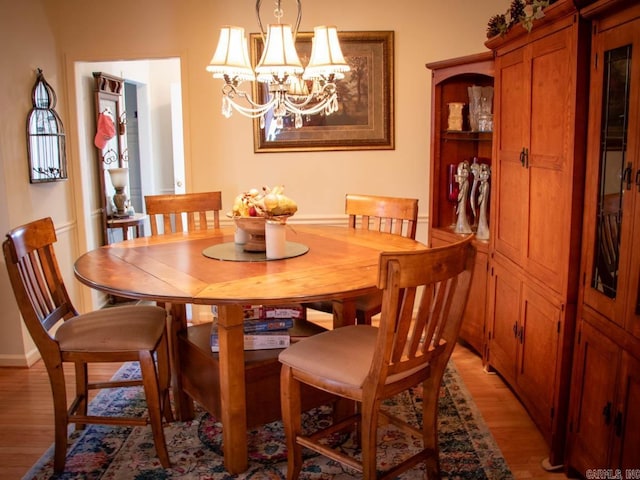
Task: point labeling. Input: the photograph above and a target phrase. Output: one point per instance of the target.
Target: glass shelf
(467, 136)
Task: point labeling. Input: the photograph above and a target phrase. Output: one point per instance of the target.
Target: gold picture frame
(365, 119)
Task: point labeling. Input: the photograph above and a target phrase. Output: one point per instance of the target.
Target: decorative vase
(455, 116)
(485, 117)
(475, 94)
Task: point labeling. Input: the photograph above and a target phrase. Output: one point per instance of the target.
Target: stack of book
(265, 327)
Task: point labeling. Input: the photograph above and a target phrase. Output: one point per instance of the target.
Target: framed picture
(365, 118)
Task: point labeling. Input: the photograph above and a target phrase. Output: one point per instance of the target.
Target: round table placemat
(234, 252)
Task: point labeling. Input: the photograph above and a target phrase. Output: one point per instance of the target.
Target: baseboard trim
(23, 361)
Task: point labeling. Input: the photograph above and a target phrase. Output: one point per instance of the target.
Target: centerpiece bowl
(254, 227)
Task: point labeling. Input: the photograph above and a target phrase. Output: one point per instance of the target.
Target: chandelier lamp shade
(293, 90)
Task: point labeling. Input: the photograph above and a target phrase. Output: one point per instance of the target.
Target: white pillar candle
(276, 239)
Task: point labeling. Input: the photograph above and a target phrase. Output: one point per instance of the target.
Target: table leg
(178, 325)
(344, 312)
(125, 232)
(232, 388)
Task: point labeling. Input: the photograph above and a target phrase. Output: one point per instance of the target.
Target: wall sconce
(119, 180)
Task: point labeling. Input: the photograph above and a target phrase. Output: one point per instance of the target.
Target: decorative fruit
(270, 202)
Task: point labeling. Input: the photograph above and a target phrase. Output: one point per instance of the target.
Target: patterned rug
(467, 449)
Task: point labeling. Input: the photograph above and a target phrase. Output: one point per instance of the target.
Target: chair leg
(368, 437)
(430, 428)
(291, 420)
(82, 391)
(61, 418)
(152, 394)
(164, 377)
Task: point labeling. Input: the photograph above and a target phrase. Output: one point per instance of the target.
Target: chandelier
(293, 89)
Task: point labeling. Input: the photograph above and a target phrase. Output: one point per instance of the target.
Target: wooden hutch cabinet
(540, 104)
(604, 417)
(450, 81)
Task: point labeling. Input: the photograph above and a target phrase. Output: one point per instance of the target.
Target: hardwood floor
(522, 445)
(26, 417)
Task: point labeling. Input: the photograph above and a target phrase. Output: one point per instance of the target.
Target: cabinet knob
(524, 157)
(626, 176)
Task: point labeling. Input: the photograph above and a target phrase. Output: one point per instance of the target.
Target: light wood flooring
(26, 417)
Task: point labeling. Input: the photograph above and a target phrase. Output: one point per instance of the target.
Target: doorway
(152, 145)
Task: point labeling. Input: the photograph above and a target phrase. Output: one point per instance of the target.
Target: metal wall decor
(45, 135)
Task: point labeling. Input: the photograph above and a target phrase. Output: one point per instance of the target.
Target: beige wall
(54, 34)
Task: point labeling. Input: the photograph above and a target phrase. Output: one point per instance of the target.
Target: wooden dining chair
(119, 334)
(423, 300)
(202, 211)
(395, 215)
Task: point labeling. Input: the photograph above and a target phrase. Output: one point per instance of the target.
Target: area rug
(467, 448)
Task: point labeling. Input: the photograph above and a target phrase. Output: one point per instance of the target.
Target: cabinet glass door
(614, 171)
(612, 212)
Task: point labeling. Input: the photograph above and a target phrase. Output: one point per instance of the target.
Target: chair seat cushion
(117, 329)
(343, 354)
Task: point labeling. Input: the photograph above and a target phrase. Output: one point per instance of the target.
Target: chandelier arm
(316, 108)
(328, 91)
(254, 110)
(248, 111)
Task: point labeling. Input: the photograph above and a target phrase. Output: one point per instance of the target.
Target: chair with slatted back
(202, 211)
(395, 215)
(423, 300)
(119, 334)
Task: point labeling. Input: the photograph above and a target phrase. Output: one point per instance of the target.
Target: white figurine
(473, 196)
(462, 177)
(483, 198)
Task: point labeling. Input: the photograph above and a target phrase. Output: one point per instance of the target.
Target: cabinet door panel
(472, 330)
(511, 195)
(633, 306)
(474, 315)
(630, 245)
(548, 226)
(595, 373)
(550, 135)
(628, 453)
(539, 339)
(505, 311)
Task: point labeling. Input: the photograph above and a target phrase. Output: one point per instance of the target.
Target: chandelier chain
(279, 13)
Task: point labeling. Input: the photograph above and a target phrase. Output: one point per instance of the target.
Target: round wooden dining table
(326, 263)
